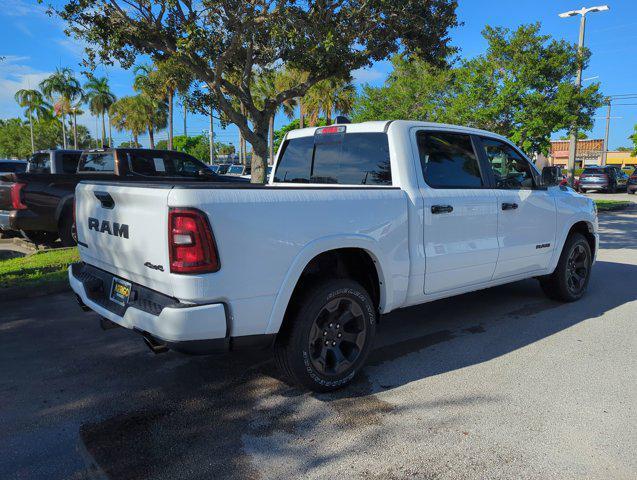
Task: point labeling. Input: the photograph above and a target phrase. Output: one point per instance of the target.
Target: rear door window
(341, 158)
(448, 160)
(97, 162)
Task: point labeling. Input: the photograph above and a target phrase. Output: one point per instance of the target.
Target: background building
(589, 152)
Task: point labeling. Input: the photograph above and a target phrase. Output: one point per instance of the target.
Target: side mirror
(551, 176)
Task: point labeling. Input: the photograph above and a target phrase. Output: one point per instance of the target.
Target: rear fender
(65, 204)
(312, 250)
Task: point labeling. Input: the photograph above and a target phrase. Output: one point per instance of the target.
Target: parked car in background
(214, 168)
(222, 168)
(632, 183)
(357, 220)
(12, 166)
(609, 179)
(240, 170)
(40, 205)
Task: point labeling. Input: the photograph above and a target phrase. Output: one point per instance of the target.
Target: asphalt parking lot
(501, 383)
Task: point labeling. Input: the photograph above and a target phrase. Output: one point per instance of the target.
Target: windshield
(223, 169)
(214, 168)
(237, 169)
(593, 171)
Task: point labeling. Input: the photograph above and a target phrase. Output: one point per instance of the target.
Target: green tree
(328, 97)
(521, 87)
(580, 136)
(223, 44)
(15, 136)
(127, 114)
(62, 88)
(34, 104)
(99, 98)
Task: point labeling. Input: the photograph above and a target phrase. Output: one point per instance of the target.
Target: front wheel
(329, 335)
(569, 281)
(67, 232)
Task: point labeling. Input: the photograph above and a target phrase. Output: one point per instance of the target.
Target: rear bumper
(593, 185)
(194, 329)
(25, 220)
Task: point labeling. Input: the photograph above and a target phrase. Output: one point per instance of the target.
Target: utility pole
(605, 152)
(572, 149)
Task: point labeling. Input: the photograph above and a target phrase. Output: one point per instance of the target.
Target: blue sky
(34, 44)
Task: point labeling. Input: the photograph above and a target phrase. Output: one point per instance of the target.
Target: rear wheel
(570, 279)
(68, 235)
(329, 337)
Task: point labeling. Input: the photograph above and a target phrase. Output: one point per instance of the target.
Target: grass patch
(38, 268)
(610, 205)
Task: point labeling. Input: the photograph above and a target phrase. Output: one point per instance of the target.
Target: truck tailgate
(123, 229)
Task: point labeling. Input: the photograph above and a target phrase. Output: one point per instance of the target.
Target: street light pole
(605, 152)
(572, 149)
(211, 138)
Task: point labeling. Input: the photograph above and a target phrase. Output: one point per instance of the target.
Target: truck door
(527, 214)
(460, 212)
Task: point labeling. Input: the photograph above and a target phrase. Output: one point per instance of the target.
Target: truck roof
(384, 125)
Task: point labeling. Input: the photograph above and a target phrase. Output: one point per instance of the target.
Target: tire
(66, 231)
(339, 311)
(575, 263)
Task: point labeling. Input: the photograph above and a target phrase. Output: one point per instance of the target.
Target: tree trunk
(328, 116)
(260, 152)
(63, 132)
(74, 130)
(110, 133)
(103, 130)
(170, 119)
(301, 114)
(271, 140)
(151, 136)
(212, 137)
(31, 129)
(185, 125)
(135, 140)
(97, 132)
(242, 157)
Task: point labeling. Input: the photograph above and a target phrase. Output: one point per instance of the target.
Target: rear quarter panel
(266, 237)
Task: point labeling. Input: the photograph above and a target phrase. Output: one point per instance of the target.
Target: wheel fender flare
(312, 250)
(64, 203)
(563, 235)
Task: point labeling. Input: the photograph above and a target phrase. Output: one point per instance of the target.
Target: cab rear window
(164, 164)
(97, 162)
(341, 158)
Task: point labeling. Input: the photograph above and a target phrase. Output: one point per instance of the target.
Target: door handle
(436, 209)
(105, 199)
(509, 206)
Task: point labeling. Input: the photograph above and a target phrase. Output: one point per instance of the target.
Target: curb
(17, 293)
(619, 208)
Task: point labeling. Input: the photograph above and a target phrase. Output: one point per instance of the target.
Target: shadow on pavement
(141, 416)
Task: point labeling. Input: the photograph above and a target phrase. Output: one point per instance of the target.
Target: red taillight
(190, 242)
(633, 177)
(16, 197)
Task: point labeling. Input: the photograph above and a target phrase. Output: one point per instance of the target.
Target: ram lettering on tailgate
(104, 226)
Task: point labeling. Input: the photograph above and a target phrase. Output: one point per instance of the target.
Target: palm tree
(126, 115)
(154, 114)
(162, 83)
(65, 85)
(100, 98)
(35, 104)
(330, 96)
(267, 86)
(288, 78)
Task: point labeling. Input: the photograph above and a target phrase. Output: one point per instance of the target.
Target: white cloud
(15, 74)
(21, 8)
(368, 75)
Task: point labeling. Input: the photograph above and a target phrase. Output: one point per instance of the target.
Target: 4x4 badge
(154, 267)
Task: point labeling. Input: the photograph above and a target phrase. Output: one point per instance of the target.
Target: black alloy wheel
(577, 267)
(337, 336)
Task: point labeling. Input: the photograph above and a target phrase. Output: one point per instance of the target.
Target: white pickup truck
(356, 221)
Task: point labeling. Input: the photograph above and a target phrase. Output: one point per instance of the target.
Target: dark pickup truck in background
(39, 203)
